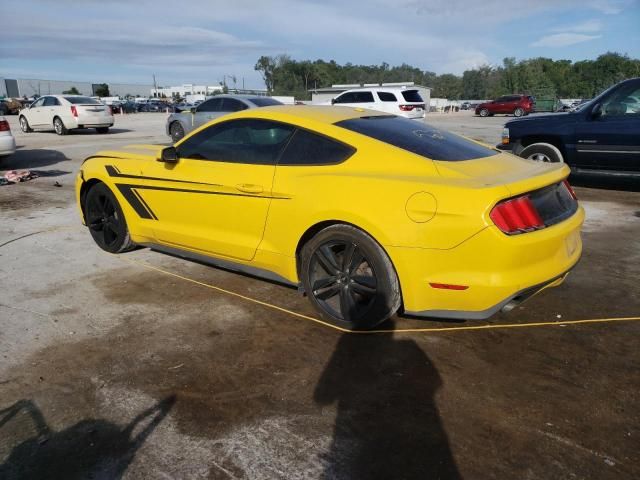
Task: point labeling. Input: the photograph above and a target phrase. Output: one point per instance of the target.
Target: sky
(204, 41)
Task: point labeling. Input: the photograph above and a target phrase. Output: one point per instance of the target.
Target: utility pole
(155, 86)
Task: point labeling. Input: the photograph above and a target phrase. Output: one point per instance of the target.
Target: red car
(518, 105)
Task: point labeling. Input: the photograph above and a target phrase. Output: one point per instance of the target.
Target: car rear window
(264, 101)
(412, 96)
(417, 137)
(82, 100)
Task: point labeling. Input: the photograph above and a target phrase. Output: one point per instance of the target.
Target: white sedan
(65, 112)
(7, 142)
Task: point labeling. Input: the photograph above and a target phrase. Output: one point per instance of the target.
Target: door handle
(249, 188)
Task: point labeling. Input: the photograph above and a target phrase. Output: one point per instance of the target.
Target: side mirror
(333, 100)
(192, 109)
(169, 155)
(596, 111)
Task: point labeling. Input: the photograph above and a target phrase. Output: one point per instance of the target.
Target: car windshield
(264, 101)
(82, 100)
(417, 137)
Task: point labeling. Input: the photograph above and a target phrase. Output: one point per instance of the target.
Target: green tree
(71, 91)
(102, 90)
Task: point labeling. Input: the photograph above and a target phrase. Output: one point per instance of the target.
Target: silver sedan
(179, 124)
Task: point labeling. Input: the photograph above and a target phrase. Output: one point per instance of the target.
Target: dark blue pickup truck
(601, 136)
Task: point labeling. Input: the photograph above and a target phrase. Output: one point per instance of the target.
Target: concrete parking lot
(148, 366)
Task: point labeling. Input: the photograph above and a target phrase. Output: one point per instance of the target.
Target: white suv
(65, 112)
(405, 102)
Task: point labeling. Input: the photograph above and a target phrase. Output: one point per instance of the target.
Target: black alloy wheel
(106, 221)
(349, 278)
(176, 130)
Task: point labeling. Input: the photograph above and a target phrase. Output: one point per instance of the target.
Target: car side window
(249, 141)
(348, 97)
(51, 102)
(364, 97)
(624, 101)
(387, 97)
(307, 148)
(38, 103)
(232, 105)
(212, 105)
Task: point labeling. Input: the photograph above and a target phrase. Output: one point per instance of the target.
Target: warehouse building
(28, 87)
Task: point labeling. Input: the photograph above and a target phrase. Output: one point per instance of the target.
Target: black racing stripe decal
(114, 172)
(136, 204)
(146, 205)
(206, 192)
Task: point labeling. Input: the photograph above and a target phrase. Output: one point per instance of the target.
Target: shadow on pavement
(375, 380)
(33, 158)
(91, 448)
(606, 182)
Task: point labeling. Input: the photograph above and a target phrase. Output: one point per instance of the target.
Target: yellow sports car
(366, 212)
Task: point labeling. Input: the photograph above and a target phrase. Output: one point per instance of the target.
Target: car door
(207, 111)
(609, 136)
(216, 197)
(35, 114)
(50, 109)
(387, 102)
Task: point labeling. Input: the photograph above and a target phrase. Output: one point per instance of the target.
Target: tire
(105, 220)
(58, 126)
(518, 112)
(542, 152)
(357, 295)
(24, 125)
(484, 112)
(176, 130)
(102, 129)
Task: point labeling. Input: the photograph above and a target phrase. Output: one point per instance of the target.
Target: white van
(405, 102)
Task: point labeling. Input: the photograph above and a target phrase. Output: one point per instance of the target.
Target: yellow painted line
(398, 330)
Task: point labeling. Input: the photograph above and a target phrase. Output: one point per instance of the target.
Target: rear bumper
(7, 145)
(500, 271)
(92, 122)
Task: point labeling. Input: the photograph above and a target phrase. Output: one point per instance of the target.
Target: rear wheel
(24, 125)
(177, 131)
(484, 112)
(59, 127)
(106, 221)
(349, 278)
(518, 112)
(542, 152)
(102, 129)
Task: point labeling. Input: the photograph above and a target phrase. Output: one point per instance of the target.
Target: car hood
(132, 152)
(558, 117)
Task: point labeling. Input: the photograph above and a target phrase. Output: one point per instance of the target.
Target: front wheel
(106, 221)
(24, 125)
(349, 278)
(484, 112)
(59, 127)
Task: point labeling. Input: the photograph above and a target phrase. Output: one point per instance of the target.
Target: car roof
(319, 113)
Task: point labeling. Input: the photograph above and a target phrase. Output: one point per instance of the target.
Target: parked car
(152, 107)
(63, 113)
(305, 195)
(602, 135)
(518, 105)
(10, 106)
(7, 141)
(405, 102)
(179, 124)
(465, 106)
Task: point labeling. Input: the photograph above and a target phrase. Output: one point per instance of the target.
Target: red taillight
(74, 111)
(516, 216)
(573, 194)
(4, 126)
(406, 108)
